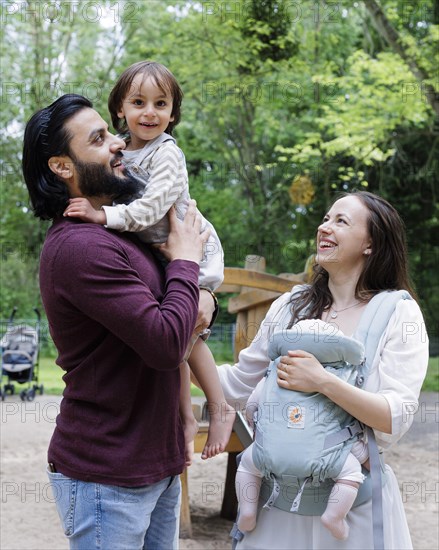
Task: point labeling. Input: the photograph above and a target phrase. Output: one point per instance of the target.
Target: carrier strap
(377, 492)
(371, 328)
(236, 535)
(274, 493)
(373, 324)
(296, 501)
(343, 435)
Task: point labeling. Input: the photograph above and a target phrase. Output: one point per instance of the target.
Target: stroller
(19, 358)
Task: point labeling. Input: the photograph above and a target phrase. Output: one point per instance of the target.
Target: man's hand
(82, 209)
(206, 307)
(185, 242)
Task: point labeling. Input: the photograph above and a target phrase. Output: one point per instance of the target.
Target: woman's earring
(367, 252)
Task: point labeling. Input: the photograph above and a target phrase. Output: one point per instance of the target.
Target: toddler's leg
(190, 425)
(248, 485)
(221, 414)
(342, 497)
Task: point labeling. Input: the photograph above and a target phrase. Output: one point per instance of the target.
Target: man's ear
(61, 166)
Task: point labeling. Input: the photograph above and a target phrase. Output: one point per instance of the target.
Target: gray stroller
(20, 347)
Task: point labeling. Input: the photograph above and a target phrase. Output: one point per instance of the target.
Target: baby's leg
(342, 497)
(190, 425)
(248, 485)
(221, 415)
(361, 452)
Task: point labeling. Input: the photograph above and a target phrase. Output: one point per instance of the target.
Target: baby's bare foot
(338, 527)
(246, 523)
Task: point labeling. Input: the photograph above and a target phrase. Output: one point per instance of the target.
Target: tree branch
(392, 37)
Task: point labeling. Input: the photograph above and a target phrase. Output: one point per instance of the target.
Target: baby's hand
(82, 209)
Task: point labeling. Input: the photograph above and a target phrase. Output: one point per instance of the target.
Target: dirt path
(28, 519)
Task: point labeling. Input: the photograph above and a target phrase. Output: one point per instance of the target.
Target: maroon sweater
(121, 324)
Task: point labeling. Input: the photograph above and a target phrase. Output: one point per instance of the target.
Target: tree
(286, 104)
(59, 47)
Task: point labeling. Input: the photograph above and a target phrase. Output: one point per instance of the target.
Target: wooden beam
(251, 299)
(233, 446)
(228, 289)
(257, 279)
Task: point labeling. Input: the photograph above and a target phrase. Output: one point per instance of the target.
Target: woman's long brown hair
(386, 268)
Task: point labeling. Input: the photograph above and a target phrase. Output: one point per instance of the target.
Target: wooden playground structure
(254, 291)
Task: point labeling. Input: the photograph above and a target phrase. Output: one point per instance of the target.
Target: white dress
(397, 373)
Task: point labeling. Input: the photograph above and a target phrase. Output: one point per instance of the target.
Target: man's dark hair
(46, 136)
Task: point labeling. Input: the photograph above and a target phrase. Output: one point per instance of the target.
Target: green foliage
(274, 91)
(19, 283)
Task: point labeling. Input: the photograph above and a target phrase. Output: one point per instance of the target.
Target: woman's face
(343, 239)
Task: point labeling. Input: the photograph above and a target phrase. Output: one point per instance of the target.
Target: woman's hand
(300, 371)
(185, 242)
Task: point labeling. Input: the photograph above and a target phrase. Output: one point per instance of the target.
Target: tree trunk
(391, 36)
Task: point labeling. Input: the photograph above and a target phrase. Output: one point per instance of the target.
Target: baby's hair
(163, 78)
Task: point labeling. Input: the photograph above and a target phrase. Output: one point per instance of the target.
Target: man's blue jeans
(96, 516)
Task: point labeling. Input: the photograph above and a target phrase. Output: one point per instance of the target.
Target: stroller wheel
(9, 388)
(2, 395)
(39, 388)
(23, 395)
(30, 395)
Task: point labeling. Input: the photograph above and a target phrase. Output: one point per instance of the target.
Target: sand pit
(28, 519)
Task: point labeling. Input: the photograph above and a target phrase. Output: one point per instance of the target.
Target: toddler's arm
(82, 209)
(165, 185)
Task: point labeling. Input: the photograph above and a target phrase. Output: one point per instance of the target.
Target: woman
(361, 251)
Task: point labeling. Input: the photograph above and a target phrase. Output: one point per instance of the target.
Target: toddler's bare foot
(221, 420)
(190, 428)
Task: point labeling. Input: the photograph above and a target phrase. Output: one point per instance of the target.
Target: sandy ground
(28, 519)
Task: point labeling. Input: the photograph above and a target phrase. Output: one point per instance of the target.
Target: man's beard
(96, 180)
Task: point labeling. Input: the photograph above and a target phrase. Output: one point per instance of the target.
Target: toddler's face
(147, 109)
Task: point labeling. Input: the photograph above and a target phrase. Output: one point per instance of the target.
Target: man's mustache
(117, 159)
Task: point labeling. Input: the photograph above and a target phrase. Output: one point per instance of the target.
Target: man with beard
(121, 324)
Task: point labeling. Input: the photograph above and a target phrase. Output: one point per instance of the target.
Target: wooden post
(257, 290)
(247, 324)
(185, 513)
(246, 327)
(229, 507)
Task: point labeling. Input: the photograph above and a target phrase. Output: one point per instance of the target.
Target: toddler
(145, 108)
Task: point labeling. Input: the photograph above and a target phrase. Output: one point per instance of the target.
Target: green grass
(51, 374)
(431, 382)
(51, 378)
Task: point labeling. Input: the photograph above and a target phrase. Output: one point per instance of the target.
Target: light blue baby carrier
(302, 439)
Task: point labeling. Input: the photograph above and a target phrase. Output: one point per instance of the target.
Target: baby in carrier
(292, 435)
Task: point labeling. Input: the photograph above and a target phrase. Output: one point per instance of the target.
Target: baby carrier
(19, 358)
(288, 421)
(302, 440)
